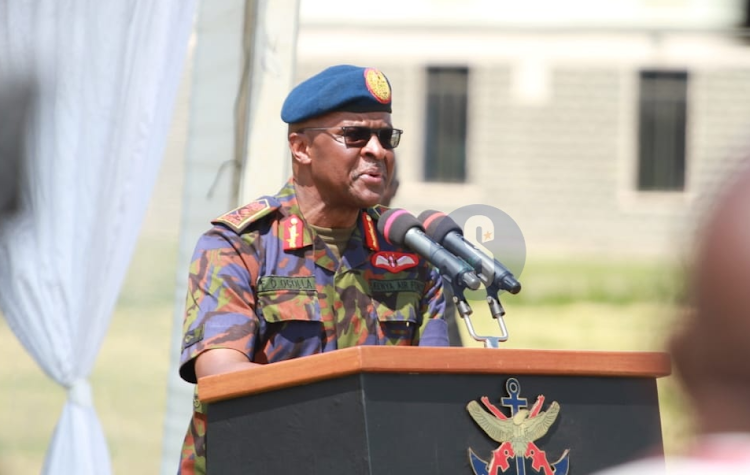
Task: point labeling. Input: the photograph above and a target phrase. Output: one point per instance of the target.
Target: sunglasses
(358, 136)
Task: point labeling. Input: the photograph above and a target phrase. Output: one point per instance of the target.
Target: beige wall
(553, 126)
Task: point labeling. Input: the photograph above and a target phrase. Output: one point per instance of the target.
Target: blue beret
(338, 88)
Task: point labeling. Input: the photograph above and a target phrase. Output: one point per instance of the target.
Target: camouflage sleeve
(434, 329)
(220, 307)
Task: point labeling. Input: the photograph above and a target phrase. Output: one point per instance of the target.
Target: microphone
(449, 234)
(402, 229)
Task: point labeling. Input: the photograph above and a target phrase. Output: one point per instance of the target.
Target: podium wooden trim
(428, 360)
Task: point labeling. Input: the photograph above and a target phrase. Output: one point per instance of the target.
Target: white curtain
(104, 77)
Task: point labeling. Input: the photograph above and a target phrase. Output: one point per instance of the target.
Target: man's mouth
(371, 174)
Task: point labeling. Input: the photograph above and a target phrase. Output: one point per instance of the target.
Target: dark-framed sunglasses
(358, 136)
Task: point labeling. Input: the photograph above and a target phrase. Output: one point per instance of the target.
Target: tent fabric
(102, 78)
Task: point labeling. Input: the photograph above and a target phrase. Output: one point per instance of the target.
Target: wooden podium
(374, 410)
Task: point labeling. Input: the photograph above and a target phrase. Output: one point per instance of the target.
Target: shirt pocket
(289, 306)
(290, 322)
(288, 299)
(398, 317)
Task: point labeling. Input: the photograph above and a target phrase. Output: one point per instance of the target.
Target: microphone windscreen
(395, 223)
(438, 224)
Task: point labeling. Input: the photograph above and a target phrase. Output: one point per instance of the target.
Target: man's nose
(374, 147)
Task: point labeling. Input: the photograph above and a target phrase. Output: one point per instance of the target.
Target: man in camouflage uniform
(304, 271)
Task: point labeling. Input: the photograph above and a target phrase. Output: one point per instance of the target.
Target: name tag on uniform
(274, 283)
(387, 286)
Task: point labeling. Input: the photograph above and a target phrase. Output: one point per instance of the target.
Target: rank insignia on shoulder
(394, 261)
(239, 218)
(516, 433)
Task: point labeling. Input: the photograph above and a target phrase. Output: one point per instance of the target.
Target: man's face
(346, 175)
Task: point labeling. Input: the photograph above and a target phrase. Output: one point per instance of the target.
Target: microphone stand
(496, 309)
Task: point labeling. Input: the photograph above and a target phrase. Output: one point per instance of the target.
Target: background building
(598, 126)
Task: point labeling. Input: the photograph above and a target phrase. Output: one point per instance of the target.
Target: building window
(662, 131)
(445, 137)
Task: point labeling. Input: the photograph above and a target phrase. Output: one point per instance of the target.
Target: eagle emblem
(394, 261)
(516, 434)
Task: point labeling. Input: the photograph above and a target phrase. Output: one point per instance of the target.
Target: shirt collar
(296, 234)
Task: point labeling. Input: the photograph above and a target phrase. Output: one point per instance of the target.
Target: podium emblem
(516, 435)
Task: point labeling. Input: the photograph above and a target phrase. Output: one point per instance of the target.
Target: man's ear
(299, 144)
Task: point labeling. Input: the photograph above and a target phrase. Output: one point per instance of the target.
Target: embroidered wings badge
(394, 261)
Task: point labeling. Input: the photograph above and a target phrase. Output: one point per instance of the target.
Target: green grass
(129, 395)
(609, 281)
(564, 305)
(128, 381)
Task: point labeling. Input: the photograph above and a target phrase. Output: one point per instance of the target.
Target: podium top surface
(391, 359)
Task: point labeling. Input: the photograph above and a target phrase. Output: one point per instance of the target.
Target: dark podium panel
(391, 411)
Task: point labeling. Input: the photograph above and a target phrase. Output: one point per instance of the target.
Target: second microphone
(448, 233)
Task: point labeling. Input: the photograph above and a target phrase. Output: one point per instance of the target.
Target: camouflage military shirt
(261, 282)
